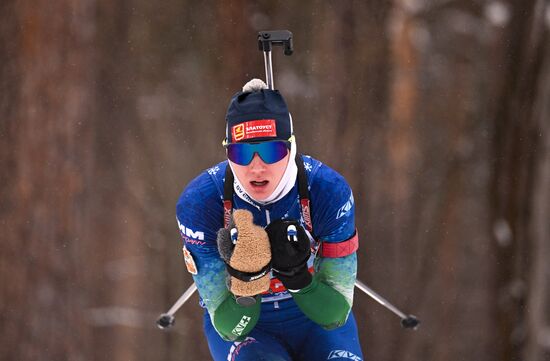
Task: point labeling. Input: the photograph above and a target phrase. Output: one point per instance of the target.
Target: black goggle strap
(248, 276)
(227, 196)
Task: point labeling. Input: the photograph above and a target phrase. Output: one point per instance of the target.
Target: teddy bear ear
(242, 216)
(225, 244)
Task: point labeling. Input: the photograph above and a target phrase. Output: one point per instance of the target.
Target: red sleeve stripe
(340, 249)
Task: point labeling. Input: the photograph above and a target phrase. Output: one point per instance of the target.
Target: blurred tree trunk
(150, 111)
(520, 188)
(45, 136)
(426, 220)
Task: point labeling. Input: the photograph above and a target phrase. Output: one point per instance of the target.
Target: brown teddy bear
(246, 251)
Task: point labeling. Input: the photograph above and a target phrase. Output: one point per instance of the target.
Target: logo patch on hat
(254, 129)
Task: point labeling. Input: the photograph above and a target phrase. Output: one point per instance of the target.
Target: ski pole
(407, 321)
(266, 40)
(166, 320)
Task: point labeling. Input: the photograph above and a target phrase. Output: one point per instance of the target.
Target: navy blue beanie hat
(257, 115)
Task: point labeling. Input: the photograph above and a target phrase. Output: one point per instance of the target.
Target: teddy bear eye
(234, 235)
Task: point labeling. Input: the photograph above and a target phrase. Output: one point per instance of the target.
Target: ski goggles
(270, 151)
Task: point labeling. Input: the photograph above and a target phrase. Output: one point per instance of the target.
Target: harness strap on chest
(303, 191)
(227, 196)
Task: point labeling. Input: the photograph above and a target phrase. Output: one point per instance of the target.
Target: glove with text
(290, 250)
(245, 249)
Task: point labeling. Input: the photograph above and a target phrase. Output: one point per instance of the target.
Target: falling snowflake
(213, 170)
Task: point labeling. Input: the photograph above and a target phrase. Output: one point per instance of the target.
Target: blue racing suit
(283, 332)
